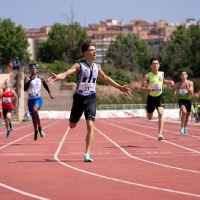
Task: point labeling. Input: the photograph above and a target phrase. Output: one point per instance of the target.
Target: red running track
(129, 162)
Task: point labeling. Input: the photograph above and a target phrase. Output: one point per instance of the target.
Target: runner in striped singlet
(84, 100)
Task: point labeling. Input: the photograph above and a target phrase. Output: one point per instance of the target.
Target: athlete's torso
(155, 82)
(7, 99)
(183, 91)
(34, 90)
(86, 79)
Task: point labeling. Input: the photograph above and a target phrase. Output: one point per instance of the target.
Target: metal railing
(131, 106)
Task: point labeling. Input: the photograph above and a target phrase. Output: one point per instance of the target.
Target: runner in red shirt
(9, 97)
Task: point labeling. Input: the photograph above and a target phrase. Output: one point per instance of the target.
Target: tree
(128, 52)
(13, 43)
(75, 37)
(64, 43)
(182, 51)
(55, 45)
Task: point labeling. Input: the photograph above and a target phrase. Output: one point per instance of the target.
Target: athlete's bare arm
(74, 69)
(110, 81)
(144, 86)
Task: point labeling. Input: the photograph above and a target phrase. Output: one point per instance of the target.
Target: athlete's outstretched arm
(124, 88)
(54, 77)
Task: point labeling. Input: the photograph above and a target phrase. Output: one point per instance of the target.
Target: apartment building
(35, 36)
(106, 31)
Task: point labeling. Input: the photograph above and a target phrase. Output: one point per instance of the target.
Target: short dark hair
(33, 65)
(86, 45)
(152, 59)
(182, 71)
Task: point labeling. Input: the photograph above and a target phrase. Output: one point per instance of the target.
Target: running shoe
(182, 131)
(42, 134)
(87, 158)
(185, 131)
(160, 137)
(8, 134)
(11, 127)
(35, 135)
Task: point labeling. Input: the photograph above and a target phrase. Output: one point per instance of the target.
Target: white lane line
(18, 128)
(26, 135)
(17, 190)
(143, 160)
(21, 127)
(22, 192)
(190, 128)
(110, 178)
(139, 133)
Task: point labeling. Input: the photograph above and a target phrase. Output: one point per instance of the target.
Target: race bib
(183, 91)
(156, 87)
(6, 99)
(90, 87)
(33, 92)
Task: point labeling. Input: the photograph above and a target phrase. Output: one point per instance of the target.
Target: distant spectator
(14, 65)
(10, 65)
(18, 64)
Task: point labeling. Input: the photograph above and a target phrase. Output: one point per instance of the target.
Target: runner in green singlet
(152, 83)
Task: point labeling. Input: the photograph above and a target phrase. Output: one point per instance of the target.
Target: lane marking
(18, 128)
(143, 160)
(110, 178)
(190, 128)
(22, 192)
(21, 127)
(139, 133)
(17, 190)
(26, 135)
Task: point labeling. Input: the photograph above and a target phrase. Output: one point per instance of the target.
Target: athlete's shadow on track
(48, 160)
(131, 146)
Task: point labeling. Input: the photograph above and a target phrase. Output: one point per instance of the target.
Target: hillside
(106, 91)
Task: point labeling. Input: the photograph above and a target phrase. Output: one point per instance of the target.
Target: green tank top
(183, 91)
(155, 82)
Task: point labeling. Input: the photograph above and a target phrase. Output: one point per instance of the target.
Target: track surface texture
(129, 162)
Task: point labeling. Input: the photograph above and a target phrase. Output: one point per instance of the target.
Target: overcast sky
(38, 13)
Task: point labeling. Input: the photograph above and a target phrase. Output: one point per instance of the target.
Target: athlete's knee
(160, 114)
(184, 112)
(72, 125)
(35, 109)
(149, 116)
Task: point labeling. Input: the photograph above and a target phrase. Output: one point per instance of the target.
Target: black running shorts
(154, 102)
(186, 103)
(10, 110)
(83, 104)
